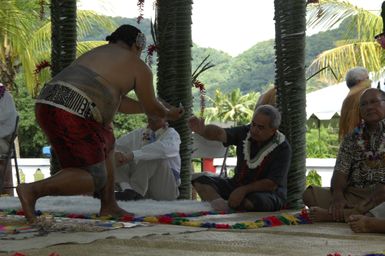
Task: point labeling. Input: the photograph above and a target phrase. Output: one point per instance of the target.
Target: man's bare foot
(220, 205)
(28, 201)
(113, 211)
(366, 224)
(317, 214)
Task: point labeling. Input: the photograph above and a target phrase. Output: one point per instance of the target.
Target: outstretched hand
(122, 158)
(196, 124)
(175, 113)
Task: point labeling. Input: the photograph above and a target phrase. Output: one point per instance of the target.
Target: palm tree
(25, 35)
(15, 23)
(233, 107)
(173, 30)
(358, 49)
(290, 28)
(63, 19)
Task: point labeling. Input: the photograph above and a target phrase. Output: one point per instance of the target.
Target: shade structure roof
(324, 104)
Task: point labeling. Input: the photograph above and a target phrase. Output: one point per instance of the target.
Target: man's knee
(99, 174)
(202, 188)
(151, 166)
(198, 186)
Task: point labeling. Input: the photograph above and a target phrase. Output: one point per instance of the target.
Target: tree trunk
(63, 18)
(174, 73)
(290, 27)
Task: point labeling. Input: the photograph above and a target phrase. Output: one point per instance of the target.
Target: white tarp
(326, 102)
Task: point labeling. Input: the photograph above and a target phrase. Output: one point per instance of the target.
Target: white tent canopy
(326, 102)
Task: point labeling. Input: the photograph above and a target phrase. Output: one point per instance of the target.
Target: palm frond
(85, 46)
(40, 40)
(200, 69)
(87, 20)
(329, 13)
(343, 58)
(13, 25)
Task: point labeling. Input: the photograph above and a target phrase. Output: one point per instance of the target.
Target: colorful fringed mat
(370, 254)
(17, 224)
(185, 219)
(6, 229)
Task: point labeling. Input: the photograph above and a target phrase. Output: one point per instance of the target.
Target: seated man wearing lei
(263, 160)
(359, 173)
(148, 163)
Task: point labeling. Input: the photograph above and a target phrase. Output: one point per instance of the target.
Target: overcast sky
(228, 25)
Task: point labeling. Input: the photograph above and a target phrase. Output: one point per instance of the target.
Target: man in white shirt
(8, 117)
(148, 163)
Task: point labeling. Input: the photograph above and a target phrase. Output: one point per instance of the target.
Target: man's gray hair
(272, 112)
(356, 75)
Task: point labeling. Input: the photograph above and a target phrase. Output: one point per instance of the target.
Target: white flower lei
(277, 139)
(369, 153)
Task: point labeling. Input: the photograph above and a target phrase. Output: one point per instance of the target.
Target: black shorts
(262, 201)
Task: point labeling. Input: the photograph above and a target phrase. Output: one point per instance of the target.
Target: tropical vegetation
(322, 142)
(216, 81)
(232, 107)
(357, 47)
(253, 70)
(217, 91)
(25, 33)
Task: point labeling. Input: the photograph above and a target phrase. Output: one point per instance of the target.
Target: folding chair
(10, 154)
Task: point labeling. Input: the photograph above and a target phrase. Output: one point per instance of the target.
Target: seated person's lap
(262, 201)
(265, 201)
(224, 187)
(322, 196)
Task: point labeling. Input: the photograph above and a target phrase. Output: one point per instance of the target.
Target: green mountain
(253, 70)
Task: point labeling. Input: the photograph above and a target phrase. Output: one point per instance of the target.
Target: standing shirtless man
(75, 110)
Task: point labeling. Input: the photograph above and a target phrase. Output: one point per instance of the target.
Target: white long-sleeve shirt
(8, 115)
(165, 146)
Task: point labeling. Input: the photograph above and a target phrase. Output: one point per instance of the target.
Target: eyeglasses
(375, 102)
